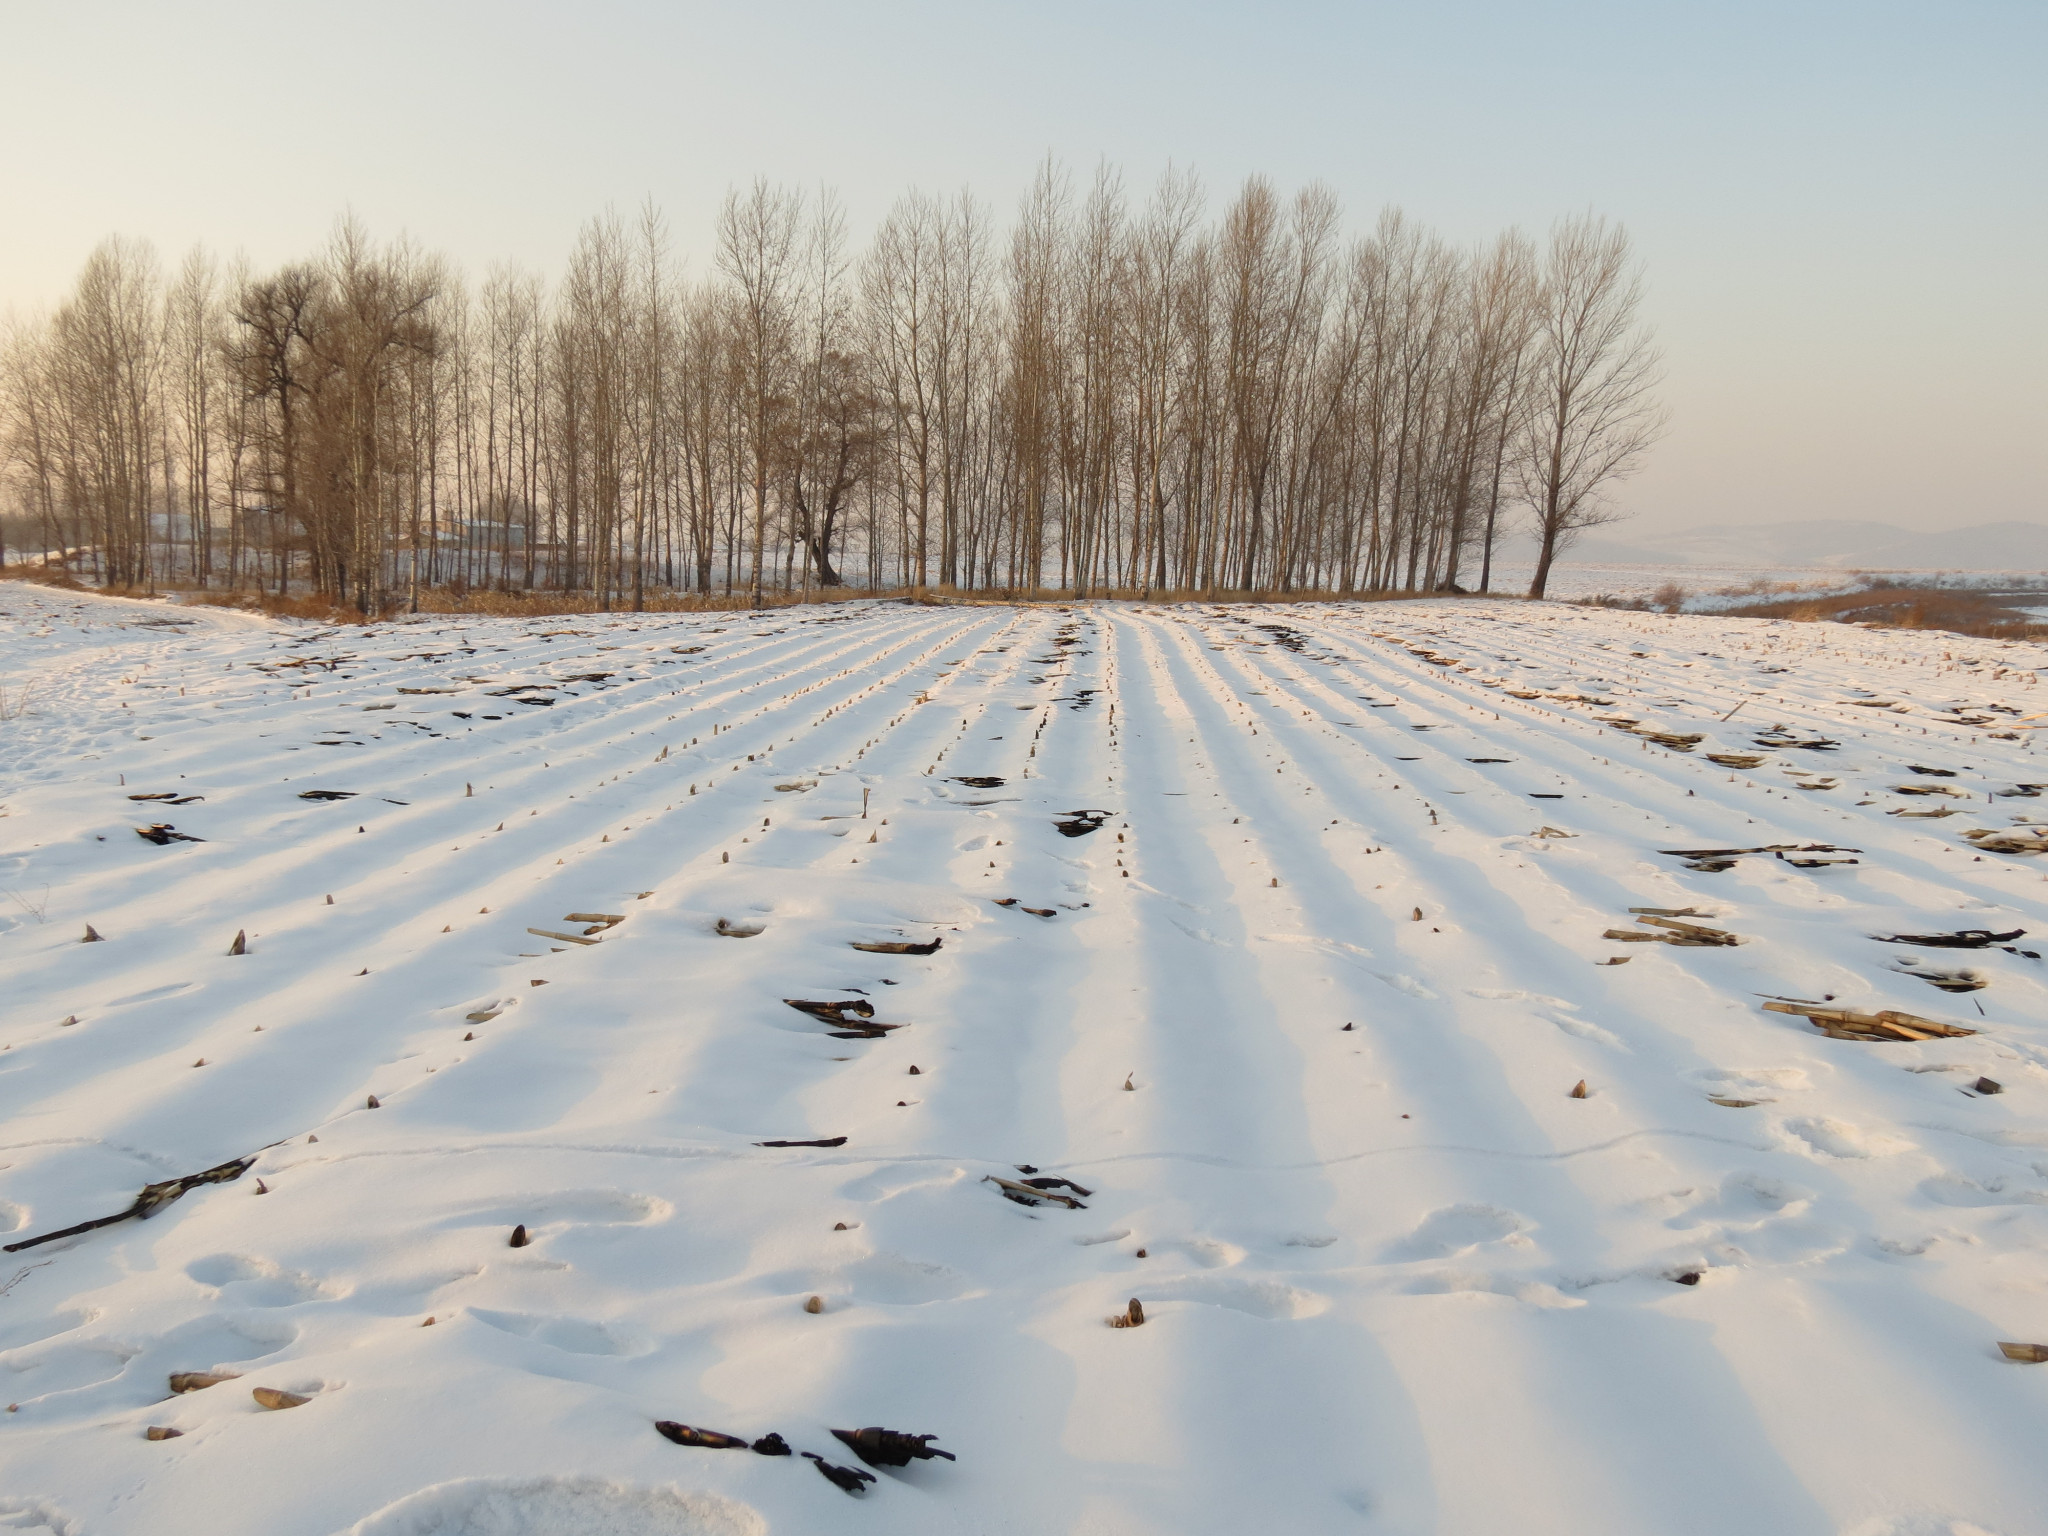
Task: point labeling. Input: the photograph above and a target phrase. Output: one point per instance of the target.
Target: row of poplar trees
(1105, 396)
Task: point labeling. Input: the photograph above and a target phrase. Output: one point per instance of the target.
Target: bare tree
(1590, 414)
(1113, 398)
(758, 251)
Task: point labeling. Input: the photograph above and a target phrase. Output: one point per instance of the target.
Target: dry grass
(44, 576)
(1054, 597)
(301, 606)
(1963, 611)
(519, 604)
(485, 603)
(499, 605)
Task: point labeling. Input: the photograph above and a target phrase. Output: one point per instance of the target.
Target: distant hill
(1843, 544)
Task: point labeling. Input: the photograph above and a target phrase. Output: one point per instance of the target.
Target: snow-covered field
(1303, 1017)
(1703, 584)
(1713, 588)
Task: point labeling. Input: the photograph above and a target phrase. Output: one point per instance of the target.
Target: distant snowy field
(1712, 587)
(1301, 1016)
(1570, 580)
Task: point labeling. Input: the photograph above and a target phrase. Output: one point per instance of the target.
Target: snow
(1840, 544)
(1706, 586)
(1718, 588)
(1396, 1278)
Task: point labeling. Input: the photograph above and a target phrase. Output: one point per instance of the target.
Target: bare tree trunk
(1591, 414)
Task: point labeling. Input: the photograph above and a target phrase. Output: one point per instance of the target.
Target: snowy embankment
(1303, 1014)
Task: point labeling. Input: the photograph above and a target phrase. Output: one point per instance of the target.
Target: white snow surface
(1395, 1278)
(1704, 585)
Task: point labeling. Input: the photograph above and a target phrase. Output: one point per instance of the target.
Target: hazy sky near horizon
(1842, 207)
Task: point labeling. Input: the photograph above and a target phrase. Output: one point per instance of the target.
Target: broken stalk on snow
(1692, 933)
(861, 1027)
(1886, 1026)
(1032, 1194)
(199, 1381)
(852, 1479)
(1689, 935)
(710, 1439)
(1962, 938)
(889, 1447)
(163, 834)
(152, 1199)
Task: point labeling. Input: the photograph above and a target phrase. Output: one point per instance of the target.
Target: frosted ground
(1303, 1016)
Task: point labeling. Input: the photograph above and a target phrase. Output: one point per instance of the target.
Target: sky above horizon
(1842, 208)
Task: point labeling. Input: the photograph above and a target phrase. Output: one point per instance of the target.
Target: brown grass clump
(44, 576)
(302, 605)
(518, 604)
(1054, 597)
(1964, 611)
(488, 603)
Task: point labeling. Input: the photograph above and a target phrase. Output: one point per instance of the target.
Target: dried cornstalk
(1027, 1195)
(1693, 933)
(1885, 1026)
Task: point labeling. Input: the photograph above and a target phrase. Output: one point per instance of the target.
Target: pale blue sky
(1843, 207)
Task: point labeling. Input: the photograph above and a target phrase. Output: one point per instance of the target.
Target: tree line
(1105, 395)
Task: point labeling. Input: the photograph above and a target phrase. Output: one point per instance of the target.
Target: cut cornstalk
(1888, 1024)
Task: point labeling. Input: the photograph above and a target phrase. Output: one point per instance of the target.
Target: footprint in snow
(1827, 1137)
(887, 1183)
(21, 1334)
(1271, 1299)
(208, 1341)
(1457, 1282)
(541, 1213)
(253, 1282)
(1207, 1252)
(1756, 1218)
(1586, 1031)
(888, 1279)
(69, 1365)
(573, 1335)
(1749, 1082)
(1745, 1196)
(1459, 1229)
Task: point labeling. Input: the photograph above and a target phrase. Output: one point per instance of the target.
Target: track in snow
(1395, 1278)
